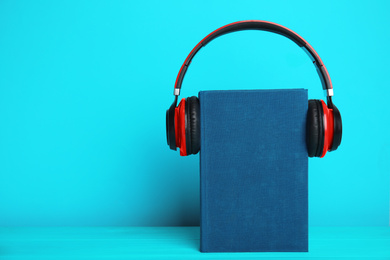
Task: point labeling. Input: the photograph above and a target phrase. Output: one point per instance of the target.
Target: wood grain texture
(177, 243)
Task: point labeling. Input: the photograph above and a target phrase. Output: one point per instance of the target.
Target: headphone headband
(262, 26)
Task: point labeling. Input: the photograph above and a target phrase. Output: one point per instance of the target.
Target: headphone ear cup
(192, 111)
(315, 128)
(338, 128)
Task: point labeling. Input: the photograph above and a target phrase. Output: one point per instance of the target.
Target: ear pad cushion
(192, 125)
(315, 128)
(170, 127)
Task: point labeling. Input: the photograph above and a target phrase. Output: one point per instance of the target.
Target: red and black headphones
(323, 125)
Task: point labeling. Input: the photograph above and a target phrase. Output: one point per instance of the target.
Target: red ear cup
(328, 128)
(338, 128)
(320, 128)
(187, 126)
(180, 127)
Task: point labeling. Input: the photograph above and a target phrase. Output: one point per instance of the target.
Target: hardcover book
(254, 171)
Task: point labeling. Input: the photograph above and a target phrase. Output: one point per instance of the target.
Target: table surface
(177, 243)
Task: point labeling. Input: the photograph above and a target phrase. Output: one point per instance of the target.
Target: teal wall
(84, 86)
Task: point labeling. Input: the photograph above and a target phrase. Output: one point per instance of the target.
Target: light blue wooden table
(177, 243)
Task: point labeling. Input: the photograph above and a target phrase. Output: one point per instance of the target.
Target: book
(254, 171)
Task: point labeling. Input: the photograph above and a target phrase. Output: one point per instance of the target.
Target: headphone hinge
(329, 92)
(176, 92)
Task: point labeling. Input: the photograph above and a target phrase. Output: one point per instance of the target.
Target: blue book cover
(254, 171)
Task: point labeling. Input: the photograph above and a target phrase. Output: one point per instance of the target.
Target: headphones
(323, 124)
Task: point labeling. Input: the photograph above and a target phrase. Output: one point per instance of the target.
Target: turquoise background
(84, 86)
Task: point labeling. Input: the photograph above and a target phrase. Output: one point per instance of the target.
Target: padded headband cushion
(192, 125)
(315, 129)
